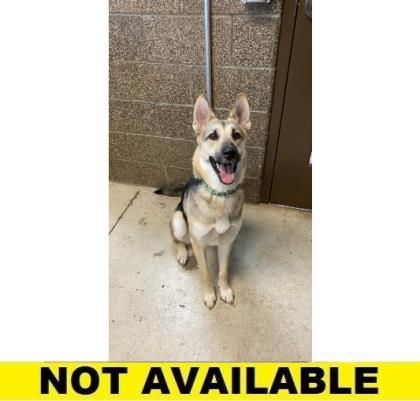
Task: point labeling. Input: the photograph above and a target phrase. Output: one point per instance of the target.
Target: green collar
(224, 194)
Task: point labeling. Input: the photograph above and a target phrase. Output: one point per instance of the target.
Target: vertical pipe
(207, 49)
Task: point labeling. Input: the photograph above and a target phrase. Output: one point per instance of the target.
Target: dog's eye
(236, 135)
(213, 136)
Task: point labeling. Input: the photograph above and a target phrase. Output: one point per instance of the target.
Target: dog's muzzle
(225, 163)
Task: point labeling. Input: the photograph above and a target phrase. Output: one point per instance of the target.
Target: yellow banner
(209, 381)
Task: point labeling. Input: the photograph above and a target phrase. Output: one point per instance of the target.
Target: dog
(210, 210)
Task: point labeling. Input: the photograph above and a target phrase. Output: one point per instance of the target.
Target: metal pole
(207, 49)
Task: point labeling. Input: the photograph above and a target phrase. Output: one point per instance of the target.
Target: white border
(53, 166)
(366, 215)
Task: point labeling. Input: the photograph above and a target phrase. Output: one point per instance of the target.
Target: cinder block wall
(157, 72)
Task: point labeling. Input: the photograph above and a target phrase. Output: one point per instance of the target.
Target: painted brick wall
(157, 72)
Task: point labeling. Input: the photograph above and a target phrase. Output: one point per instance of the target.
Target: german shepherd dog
(210, 210)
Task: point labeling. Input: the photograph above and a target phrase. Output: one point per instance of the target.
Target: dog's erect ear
(240, 112)
(202, 114)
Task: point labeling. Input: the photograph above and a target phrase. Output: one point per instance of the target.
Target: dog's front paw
(226, 294)
(209, 299)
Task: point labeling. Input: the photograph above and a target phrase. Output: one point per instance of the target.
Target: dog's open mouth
(225, 171)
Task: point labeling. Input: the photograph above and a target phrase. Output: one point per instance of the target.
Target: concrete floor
(156, 307)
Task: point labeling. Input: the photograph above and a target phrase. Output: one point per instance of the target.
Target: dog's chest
(215, 220)
(222, 231)
(222, 225)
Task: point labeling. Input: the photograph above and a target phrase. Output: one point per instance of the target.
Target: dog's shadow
(244, 243)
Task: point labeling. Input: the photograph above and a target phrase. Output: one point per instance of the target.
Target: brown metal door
(288, 171)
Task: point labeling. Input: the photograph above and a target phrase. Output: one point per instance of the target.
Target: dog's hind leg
(179, 229)
(181, 253)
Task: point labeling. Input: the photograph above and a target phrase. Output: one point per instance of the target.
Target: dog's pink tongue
(226, 174)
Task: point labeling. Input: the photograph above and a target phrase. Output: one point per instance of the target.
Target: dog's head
(222, 143)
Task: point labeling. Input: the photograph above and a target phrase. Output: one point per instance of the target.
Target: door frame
(287, 29)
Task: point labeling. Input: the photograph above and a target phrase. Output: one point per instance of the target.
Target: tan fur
(214, 220)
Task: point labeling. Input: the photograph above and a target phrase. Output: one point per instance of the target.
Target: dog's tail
(169, 191)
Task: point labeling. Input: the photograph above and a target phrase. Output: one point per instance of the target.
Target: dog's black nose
(230, 152)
